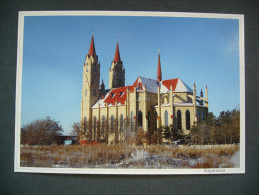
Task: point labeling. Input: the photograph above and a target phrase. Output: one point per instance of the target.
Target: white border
(17, 167)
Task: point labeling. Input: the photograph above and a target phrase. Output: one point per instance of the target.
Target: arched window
(179, 119)
(198, 115)
(166, 118)
(121, 122)
(188, 120)
(140, 118)
(112, 123)
(103, 125)
(95, 126)
(132, 122)
(202, 115)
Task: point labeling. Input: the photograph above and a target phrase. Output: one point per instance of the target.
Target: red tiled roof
(117, 54)
(118, 95)
(138, 85)
(92, 48)
(170, 82)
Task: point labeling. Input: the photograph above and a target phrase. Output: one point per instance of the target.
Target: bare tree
(41, 132)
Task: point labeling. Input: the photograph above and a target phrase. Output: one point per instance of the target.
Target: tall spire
(159, 72)
(117, 54)
(92, 48)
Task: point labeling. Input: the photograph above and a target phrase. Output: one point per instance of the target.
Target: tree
(177, 134)
(223, 129)
(167, 133)
(41, 132)
(155, 136)
(75, 129)
(140, 137)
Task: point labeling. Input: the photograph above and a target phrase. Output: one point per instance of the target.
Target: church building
(108, 114)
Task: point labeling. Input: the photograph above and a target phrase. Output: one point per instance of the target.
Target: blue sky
(204, 51)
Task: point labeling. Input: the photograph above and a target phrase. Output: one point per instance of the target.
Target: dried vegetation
(122, 156)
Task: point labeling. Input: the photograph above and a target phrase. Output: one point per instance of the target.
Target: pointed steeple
(159, 72)
(92, 48)
(117, 54)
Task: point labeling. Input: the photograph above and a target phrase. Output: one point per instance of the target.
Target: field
(125, 156)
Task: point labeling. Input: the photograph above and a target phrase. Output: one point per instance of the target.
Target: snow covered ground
(122, 156)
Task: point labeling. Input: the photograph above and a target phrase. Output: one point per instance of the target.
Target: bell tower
(91, 82)
(116, 72)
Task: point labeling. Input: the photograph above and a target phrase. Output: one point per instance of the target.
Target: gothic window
(86, 69)
(132, 121)
(112, 124)
(202, 115)
(166, 118)
(140, 118)
(198, 115)
(188, 120)
(121, 122)
(103, 125)
(179, 119)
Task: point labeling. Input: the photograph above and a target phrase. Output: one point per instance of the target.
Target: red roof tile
(170, 82)
(118, 95)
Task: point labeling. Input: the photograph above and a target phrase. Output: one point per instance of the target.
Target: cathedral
(108, 114)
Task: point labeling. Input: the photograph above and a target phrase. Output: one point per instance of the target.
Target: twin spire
(92, 51)
(118, 59)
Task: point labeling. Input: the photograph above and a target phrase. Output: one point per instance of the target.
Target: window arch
(139, 118)
(166, 118)
(121, 122)
(188, 120)
(132, 120)
(179, 119)
(112, 123)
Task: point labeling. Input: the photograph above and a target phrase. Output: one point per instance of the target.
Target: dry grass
(120, 156)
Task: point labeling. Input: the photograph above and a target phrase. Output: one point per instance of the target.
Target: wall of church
(181, 97)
